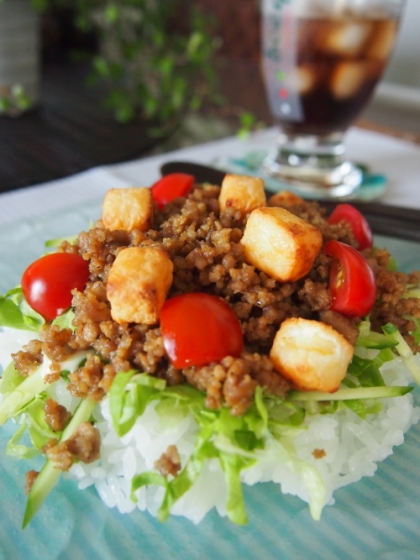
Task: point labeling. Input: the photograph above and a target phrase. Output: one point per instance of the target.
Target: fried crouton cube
(310, 354)
(280, 244)
(285, 199)
(138, 283)
(242, 193)
(127, 209)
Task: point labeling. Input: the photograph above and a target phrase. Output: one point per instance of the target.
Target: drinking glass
(321, 60)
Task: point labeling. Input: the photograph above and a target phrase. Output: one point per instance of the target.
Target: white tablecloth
(399, 160)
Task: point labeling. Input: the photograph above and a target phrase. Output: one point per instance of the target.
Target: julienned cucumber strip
(22, 395)
(32, 385)
(350, 394)
(49, 475)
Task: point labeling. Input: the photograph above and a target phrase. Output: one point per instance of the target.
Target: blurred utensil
(202, 173)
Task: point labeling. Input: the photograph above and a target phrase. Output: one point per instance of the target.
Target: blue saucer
(373, 184)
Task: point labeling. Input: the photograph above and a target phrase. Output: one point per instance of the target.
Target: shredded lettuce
(65, 320)
(370, 339)
(10, 379)
(33, 424)
(404, 351)
(39, 431)
(58, 240)
(16, 401)
(372, 351)
(230, 439)
(366, 372)
(17, 314)
(18, 392)
(233, 440)
(315, 486)
(18, 450)
(127, 405)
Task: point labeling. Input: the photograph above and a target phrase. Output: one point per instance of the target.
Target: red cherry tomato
(198, 329)
(361, 229)
(352, 282)
(171, 186)
(47, 282)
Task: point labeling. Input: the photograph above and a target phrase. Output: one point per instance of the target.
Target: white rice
(12, 340)
(352, 446)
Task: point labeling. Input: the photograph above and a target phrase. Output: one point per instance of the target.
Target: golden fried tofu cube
(285, 199)
(310, 354)
(138, 283)
(280, 244)
(127, 209)
(242, 193)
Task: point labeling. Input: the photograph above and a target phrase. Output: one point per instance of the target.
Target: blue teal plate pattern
(377, 517)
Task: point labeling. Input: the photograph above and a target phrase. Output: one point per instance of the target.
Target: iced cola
(320, 71)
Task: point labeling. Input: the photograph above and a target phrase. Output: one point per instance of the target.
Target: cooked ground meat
(316, 295)
(207, 255)
(30, 478)
(85, 381)
(390, 307)
(54, 373)
(28, 359)
(56, 343)
(319, 453)
(84, 444)
(341, 324)
(169, 463)
(56, 415)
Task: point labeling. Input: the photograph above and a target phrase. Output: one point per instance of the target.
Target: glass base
(323, 176)
(252, 163)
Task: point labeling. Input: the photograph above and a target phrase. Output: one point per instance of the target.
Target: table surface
(69, 132)
(398, 159)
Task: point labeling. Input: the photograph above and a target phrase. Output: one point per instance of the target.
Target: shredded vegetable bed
(185, 346)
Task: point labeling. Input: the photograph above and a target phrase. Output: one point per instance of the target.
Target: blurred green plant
(154, 59)
(13, 100)
(248, 123)
(149, 65)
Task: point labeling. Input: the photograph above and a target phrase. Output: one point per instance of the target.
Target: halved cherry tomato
(171, 186)
(48, 281)
(361, 229)
(352, 281)
(198, 329)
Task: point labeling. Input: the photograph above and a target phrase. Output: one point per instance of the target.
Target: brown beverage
(320, 73)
